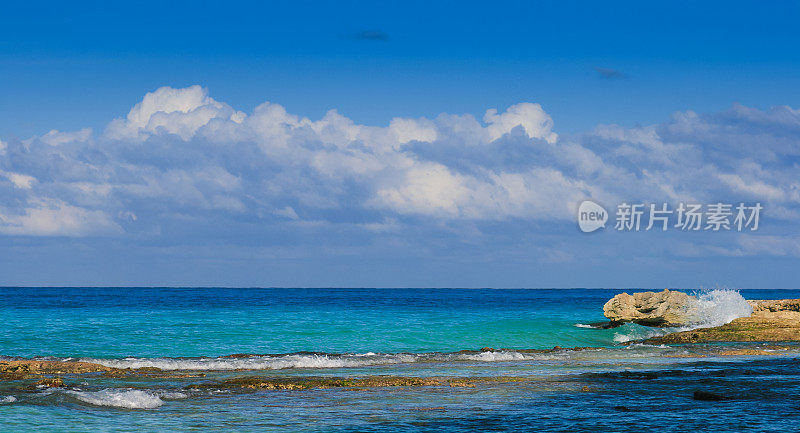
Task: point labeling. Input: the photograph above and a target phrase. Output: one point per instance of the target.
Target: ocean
(510, 348)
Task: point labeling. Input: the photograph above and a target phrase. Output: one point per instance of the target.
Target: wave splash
(710, 308)
(718, 307)
(122, 398)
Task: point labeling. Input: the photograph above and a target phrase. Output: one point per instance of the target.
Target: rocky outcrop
(771, 321)
(50, 382)
(24, 368)
(666, 308)
(775, 305)
(20, 369)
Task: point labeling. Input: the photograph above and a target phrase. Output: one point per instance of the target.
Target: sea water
(615, 386)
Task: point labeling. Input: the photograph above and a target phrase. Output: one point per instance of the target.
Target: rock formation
(667, 308)
(771, 321)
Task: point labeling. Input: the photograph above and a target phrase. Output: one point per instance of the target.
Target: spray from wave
(708, 308)
(122, 398)
(718, 307)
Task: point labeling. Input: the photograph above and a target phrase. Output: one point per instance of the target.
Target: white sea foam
(492, 356)
(8, 399)
(636, 332)
(718, 307)
(310, 361)
(123, 398)
(172, 395)
(259, 362)
(583, 325)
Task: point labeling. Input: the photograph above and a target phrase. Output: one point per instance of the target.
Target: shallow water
(384, 332)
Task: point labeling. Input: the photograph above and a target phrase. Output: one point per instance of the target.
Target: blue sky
(138, 149)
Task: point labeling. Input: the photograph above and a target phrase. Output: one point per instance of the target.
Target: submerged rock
(312, 382)
(667, 308)
(707, 396)
(51, 382)
(606, 325)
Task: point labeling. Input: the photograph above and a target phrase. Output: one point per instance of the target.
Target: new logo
(591, 216)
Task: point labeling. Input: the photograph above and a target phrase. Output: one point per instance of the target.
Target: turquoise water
(374, 332)
(212, 322)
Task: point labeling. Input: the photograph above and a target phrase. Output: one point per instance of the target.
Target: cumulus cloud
(175, 111)
(530, 117)
(181, 159)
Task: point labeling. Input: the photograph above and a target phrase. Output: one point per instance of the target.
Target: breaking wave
(718, 307)
(710, 308)
(122, 398)
(310, 361)
(631, 332)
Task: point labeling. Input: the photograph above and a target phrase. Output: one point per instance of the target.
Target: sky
(395, 144)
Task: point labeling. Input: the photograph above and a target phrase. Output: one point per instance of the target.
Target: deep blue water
(368, 332)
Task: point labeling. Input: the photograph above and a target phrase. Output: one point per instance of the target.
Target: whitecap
(8, 399)
(631, 332)
(308, 361)
(491, 356)
(122, 398)
(172, 395)
(259, 362)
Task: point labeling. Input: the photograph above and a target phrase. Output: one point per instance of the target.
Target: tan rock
(764, 325)
(666, 308)
(775, 305)
(28, 366)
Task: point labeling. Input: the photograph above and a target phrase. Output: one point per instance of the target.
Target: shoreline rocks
(660, 309)
(29, 368)
(771, 321)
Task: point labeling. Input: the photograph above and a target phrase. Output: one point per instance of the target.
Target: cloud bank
(182, 163)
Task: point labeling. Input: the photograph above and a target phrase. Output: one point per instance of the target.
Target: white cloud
(57, 138)
(770, 245)
(413, 130)
(531, 117)
(55, 218)
(287, 212)
(180, 155)
(21, 181)
(176, 111)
